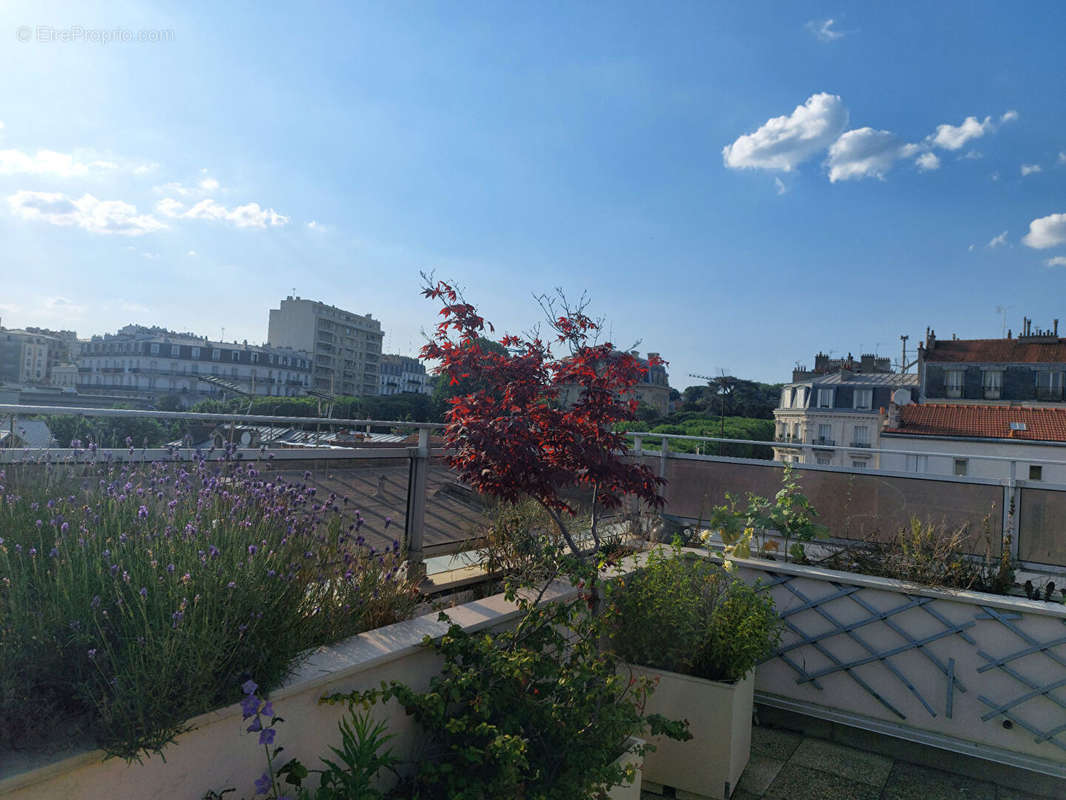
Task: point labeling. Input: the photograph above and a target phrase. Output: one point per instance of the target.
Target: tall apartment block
(345, 347)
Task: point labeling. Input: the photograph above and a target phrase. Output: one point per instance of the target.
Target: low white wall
(217, 754)
(920, 663)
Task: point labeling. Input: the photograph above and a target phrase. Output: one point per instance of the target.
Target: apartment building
(403, 375)
(1025, 369)
(29, 355)
(345, 347)
(837, 405)
(653, 389)
(153, 362)
(954, 439)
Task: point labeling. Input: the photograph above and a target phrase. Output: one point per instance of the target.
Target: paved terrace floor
(790, 765)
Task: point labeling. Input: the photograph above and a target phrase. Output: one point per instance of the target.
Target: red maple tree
(509, 437)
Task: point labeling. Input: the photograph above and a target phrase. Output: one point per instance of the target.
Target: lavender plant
(134, 596)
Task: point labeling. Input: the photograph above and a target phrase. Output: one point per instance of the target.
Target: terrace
(879, 689)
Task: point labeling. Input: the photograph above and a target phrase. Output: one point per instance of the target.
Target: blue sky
(736, 185)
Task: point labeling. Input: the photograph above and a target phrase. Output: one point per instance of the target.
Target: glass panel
(1042, 526)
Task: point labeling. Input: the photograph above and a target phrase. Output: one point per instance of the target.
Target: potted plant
(695, 629)
(538, 711)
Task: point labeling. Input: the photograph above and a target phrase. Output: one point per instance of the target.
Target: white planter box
(628, 791)
(719, 717)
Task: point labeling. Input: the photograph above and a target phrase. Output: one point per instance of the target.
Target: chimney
(1056, 331)
(890, 418)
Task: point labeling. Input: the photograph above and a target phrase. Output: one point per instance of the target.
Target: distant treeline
(689, 423)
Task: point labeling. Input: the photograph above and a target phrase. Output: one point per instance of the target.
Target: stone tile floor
(790, 766)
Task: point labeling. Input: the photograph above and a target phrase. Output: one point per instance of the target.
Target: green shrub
(537, 712)
(689, 615)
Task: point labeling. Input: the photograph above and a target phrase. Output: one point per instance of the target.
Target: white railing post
(416, 503)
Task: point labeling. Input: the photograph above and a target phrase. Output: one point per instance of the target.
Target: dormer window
(992, 381)
(864, 399)
(825, 398)
(953, 380)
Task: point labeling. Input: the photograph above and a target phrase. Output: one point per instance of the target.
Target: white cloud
(87, 212)
(927, 162)
(1029, 169)
(1057, 261)
(250, 215)
(823, 30)
(972, 155)
(191, 254)
(782, 143)
(49, 162)
(780, 186)
(866, 153)
(997, 241)
(209, 184)
(1062, 157)
(317, 226)
(150, 256)
(61, 306)
(971, 248)
(1046, 232)
(954, 137)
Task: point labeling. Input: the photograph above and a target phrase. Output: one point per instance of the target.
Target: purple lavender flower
(255, 726)
(142, 512)
(262, 785)
(144, 591)
(249, 687)
(267, 737)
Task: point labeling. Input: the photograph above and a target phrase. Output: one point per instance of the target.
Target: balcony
(860, 444)
(1049, 393)
(824, 441)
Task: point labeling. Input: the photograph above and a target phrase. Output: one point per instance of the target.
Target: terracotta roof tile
(998, 351)
(986, 422)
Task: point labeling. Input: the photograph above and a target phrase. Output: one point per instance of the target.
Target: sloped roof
(29, 432)
(998, 351)
(866, 378)
(984, 422)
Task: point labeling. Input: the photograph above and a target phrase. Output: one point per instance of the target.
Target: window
(796, 432)
(216, 354)
(195, 352)
(825, 432)
(155, 348)
(917, 463)
(862, 435)
(858, 464)
(1036, 472)
(235, 355)
(961, 465)
(784, 398)
(992, 381)
(823, 460)
(175, 350)
(864, 399)
(825, 398)
(953, 382)
(1048, 384)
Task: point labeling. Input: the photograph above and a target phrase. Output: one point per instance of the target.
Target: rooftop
(984, 422)
(1022, 350)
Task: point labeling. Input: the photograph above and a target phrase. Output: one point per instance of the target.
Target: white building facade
(403, 375)
(153, 362)
(345, 347)
(836, 417)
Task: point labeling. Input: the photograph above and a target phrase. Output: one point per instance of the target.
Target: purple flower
(268, 709)
(267, 737)
(231, 585)
(256, 725)
(262, 785)
(249, 687)
(92, 654)
(249, 705)
(144, 591)
(388, 521)
(252, 549)
(142, 512)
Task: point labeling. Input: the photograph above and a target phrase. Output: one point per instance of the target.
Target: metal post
(664, 453)
(1011, 501)
(416, 503)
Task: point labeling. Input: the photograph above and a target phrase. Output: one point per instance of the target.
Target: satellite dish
(246, 439)
(902, 397)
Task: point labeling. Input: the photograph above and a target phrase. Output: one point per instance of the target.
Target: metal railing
(1028, 515)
